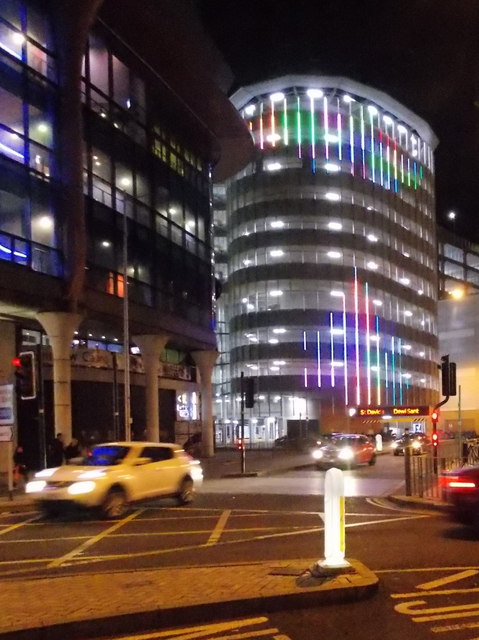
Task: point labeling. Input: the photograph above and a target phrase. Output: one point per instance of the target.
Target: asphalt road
(428, 567)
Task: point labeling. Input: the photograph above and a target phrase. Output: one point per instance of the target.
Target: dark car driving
(461, 490)
(345, 449)
(418, 442)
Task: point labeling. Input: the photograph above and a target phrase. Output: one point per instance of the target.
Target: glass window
(121, 83)
(98, 59)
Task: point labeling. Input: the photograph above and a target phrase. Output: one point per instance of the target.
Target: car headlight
(86, 486)
(394, 445)
(46, 473)
(346, 454)
(35, 485)
(416, 444)
(317, 454)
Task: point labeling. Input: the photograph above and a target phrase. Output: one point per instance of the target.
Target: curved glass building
(330, 298)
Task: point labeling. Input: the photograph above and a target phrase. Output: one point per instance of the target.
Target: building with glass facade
(329, 260)
(107, 150)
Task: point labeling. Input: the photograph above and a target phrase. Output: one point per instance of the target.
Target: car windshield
(106, 456)
(343, 441)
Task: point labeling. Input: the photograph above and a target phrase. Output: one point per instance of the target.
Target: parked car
(345, 449)
(460, 489)
(418, 442)
(116, 474)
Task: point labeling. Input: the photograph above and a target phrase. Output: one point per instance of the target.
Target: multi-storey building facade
(330, 292)
(107, 148)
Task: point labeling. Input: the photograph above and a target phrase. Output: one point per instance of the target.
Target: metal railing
(422, 479)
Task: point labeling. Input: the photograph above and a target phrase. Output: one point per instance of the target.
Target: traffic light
(448, 377)
(240, 444)
(249, 390)
(435, 439)
(26, 375)
(435, 416)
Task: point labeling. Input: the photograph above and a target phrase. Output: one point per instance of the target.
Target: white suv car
(115, 474)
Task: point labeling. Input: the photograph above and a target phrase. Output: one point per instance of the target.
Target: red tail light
(457, 482)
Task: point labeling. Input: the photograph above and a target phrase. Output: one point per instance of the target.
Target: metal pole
(126, 332)
(41, 408)
(459, 420)
(116, 414)
(243, 452)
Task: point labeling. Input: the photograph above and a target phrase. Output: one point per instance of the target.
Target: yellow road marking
(442, 592)
(218, 530)
(18, 525)
(201, 630)
(456, 627)
(91, 541)
(438, 613)
(447, 579)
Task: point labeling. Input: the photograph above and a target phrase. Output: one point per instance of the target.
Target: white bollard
(334, 525)
(379, 442)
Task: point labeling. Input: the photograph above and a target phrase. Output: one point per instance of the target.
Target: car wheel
(186, 491)
(115, 504)
(49, 511)
(373, 460)
(396, 453)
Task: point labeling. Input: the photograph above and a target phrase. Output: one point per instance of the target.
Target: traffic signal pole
(243, 452)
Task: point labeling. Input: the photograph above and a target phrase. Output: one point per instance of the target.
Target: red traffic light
(435, 439)
(239, 444)
(435, 416)
(16, 362)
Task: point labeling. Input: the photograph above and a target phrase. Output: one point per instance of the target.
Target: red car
(345, 449)
(461, 490)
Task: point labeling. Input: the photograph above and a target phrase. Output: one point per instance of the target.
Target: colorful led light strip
(400, 370)
(368, 342)
(363, 149)
(261, 127)
(331, 331)
(298, 126)
(319, 357)
(393, 371)
(373, 164)
(378, 364)
(356, 335)
(273, 126)
(305, 376)
(351, 142)
(340, 133)
(285, 124)
(326, 128)
(345, 354)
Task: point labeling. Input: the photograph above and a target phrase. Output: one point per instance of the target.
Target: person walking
(57, 451)
(20, 471)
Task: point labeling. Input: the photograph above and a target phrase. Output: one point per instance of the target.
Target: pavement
(104, 604)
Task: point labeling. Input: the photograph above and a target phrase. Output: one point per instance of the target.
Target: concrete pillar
(205, 361)
(151, 347)
(60, 327)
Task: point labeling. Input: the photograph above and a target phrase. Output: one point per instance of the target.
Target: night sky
(424, 53)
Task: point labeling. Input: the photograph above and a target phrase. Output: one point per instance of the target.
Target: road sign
(6, 404)
(6, 434)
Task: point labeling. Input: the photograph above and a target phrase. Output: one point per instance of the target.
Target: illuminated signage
(413, 411)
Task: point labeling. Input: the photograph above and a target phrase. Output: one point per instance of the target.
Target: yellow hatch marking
(18, 525)
(219, 528)
(204, 630)
(91, 541)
